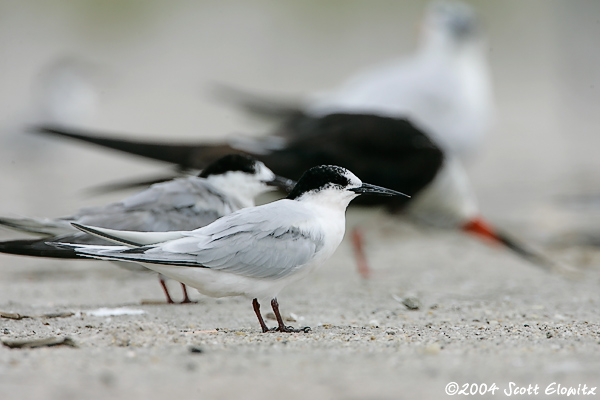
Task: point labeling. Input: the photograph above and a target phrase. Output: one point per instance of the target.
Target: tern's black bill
(367, 188)
(282, 183)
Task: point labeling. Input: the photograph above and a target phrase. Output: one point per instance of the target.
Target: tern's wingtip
(79, 226)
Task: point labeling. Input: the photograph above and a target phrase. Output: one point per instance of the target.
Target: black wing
(389, 152)
(186, 155)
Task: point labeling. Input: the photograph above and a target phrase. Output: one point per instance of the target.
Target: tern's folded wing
(180, 204)
(263, 242)
(269, 241)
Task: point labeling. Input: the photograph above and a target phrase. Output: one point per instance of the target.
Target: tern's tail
(38, 226)
(36, 248)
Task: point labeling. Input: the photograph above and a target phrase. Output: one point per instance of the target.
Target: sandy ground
(486, 316)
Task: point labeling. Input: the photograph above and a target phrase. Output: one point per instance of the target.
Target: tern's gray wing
(259, 248)
(268, 241)
(180, 204)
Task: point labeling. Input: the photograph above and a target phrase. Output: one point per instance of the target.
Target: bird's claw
(290, 329)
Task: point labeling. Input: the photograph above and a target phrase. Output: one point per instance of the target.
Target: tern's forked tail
(36, 248)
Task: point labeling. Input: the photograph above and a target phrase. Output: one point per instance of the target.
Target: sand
(485, 317)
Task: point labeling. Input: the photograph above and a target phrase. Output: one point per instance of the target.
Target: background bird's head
(450, 23)
(244, 177)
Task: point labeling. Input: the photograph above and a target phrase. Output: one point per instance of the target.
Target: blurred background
(150, 66)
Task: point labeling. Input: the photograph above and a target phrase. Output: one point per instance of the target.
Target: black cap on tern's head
(331, 176)
(230, 163)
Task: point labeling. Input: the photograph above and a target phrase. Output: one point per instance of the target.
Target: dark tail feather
(190, 155)
(36, 248)
(185, 155)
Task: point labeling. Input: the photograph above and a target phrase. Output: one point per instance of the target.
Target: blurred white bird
(66, 91)
(445, 87)
(254, 252)
(225, 186)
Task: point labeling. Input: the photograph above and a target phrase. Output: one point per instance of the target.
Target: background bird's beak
(367, 188)
(479, 227)
(282, 183)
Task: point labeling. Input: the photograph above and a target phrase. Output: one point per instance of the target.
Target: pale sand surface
(486, 317)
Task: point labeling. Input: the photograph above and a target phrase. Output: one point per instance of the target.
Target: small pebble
(196, 349)
(412, 303)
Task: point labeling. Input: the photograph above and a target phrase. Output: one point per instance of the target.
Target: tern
(227, 185)
(254, 252)
(391, 152)
(445, 87)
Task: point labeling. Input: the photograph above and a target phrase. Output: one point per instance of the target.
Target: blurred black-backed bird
(387, 151)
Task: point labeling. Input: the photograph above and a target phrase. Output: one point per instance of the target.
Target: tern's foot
(188, 301)
(186, 298)
(290, 329)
